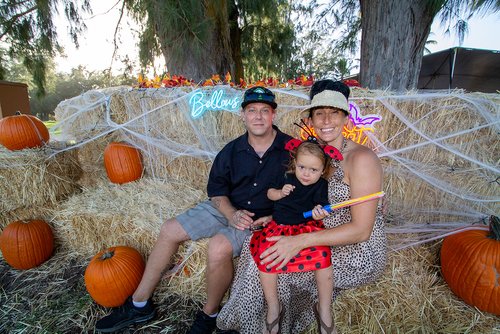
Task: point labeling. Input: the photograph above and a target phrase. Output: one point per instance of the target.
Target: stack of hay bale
(177, 153)
(439, 153)
(34, 181)
(432, 172)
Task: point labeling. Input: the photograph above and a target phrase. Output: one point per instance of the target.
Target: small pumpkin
(113, 274)
(26, 244)
(470, 263)
(22, 131)
(122, 162)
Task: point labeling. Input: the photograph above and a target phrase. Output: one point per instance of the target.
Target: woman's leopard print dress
(353, 265)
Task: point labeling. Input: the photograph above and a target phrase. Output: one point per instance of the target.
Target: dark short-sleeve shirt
(244, 177)
(289, 210)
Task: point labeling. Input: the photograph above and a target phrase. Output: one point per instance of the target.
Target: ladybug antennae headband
(329, 150)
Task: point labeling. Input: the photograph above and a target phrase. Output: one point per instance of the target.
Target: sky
(96, 44)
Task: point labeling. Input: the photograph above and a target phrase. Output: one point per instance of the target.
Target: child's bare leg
(324, 282)
(270, 287)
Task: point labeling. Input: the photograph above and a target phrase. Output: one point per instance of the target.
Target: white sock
(214, 315)
(139, 304)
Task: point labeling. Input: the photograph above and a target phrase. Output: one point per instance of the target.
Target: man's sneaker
(125, 315)
(203, 324)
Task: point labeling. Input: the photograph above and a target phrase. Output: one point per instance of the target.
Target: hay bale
(411, 297)
(438, 157)
(32, 212)
(87, 115)
(130, 214)
(36, 177)
(91, 160)
(187, 275)
(184, 169)
(437, 149)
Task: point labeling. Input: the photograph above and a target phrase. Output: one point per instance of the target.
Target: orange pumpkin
(113, 274)
(122, 162)
(470, 263)
(22, 131)
(26, 244)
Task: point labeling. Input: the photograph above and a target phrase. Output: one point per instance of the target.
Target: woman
(356, 234)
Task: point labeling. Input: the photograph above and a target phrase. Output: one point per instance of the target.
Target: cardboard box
(13, 97)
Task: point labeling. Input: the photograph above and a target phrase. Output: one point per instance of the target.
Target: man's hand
(241, 219)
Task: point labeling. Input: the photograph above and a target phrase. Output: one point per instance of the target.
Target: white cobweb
(439, 150)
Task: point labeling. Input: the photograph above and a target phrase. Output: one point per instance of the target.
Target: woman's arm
(364, 175)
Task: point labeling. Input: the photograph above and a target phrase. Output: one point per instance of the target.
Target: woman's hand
(241, 219)
(282, 251)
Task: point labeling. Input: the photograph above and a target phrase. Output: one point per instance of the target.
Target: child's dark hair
(311, 148)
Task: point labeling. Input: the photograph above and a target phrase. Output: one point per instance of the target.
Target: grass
(50, 125)
(52, 299)
(410, 298)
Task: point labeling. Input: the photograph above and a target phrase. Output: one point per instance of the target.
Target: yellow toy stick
(350, 202)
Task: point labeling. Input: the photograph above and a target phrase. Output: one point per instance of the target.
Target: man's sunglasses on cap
(259, 94)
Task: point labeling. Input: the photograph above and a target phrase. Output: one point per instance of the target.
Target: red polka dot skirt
(312, 258)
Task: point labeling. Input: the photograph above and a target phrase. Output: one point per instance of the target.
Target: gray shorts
(205, 221)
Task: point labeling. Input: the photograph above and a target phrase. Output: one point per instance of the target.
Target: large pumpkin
(113, 274)
(470, 263)
(26, 244)
(22, 131)
(122, 162)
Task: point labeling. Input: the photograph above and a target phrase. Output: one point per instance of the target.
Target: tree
(394, 33)
(267, 41)
(197, 38)
(429, 42)
(392, 42)
(61, 86)
(344, 67)
(27, 28)
(64, 86)
(202, 38)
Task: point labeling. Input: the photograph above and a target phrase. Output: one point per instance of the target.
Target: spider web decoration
(439, 150)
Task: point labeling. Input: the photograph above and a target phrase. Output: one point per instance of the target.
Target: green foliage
(184, 26)
(331, 30)
(328, 36)
(345, 14)
(61, 86)
(267, 39)
(66, 86)
(27, 27)
(265, 30)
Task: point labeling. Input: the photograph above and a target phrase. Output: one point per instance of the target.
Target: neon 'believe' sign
(219, 99)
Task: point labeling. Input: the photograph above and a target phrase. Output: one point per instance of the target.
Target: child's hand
(319, 213)
(286, 190)
(260, 223)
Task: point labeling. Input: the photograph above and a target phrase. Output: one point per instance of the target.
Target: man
(237, 188)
